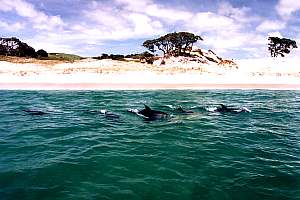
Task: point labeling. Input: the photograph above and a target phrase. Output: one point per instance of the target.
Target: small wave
(103, 111)
(211, 109)
(54, 110)
(133, 110)
(171, 106)
(242, 109)
(245, 109)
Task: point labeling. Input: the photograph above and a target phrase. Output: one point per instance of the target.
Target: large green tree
(175, 44)
(280, 46)
(14, 47)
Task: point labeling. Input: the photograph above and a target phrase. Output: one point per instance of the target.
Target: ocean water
(75, 152)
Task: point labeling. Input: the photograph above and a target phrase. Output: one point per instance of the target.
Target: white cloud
(50, 47)
(234, 40)
(230, 28)
(144, 25)
(223, 31)
(238, 14)
(118, 23)
(172, 15)
(208, 21)
(136, 6)
(275, 34)
(27, 10)
(285, 8)
(271, 25)
(151, 9)
(14, 27)
(60, 41)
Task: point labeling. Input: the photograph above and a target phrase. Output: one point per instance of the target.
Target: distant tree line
(280, 46)
(146, 56)
(111, 56)
(14, 47)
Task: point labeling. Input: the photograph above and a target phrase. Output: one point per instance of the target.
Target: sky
(234, 29)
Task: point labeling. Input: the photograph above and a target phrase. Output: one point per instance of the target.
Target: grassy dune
(63, 57)
(53, 58)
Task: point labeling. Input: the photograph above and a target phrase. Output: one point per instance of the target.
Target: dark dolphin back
(146, 111)
(223, 107)
(180, 109)
(34, 112)
(152, 114)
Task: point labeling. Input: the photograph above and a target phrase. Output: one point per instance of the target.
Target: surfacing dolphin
(224, 109)
(186, 112)
(34, 112)
(105, 113)
(149, 114)
(109, 115)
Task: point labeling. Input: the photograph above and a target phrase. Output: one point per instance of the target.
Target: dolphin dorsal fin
(180, 109)
(223, 106)
(147, 107)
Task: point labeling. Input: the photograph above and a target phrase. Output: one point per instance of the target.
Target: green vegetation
(63, 57)
(145, 56)
(42, 53)
(14, 47)
(175, 44)
(111, 56)
(280, 46)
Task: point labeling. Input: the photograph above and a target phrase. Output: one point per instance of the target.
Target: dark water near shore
(75, 153)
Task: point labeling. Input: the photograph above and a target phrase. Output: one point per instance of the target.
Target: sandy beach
(133, 86)
(91, 74)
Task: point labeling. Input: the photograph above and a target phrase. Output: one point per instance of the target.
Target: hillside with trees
(178, 48)
(14, 47)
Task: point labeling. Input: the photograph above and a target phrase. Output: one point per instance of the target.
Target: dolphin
(180, 110)
(150, 114)
(109, 115)
(34, 112)
(105, 113)
(224, 109)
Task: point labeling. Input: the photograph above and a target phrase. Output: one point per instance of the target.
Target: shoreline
(145, 86)
(90, 74)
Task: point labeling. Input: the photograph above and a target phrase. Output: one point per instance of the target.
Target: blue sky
(231, 28)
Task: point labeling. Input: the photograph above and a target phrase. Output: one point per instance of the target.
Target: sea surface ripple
(76, 152)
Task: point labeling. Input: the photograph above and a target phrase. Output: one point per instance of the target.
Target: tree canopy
(14, 47)
(175, 44)
(280, 46)
(42, 53)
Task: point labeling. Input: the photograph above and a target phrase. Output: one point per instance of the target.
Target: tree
(14, 47)
(42, 53)
(104, 56)
(280, 46)
(150, 45)
(3, 50)
(176, 44)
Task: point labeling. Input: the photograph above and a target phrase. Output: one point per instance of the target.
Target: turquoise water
(75, 153)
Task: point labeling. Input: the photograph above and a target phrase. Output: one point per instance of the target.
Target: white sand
(107, 74)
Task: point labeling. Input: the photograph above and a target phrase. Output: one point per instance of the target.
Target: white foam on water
(103, 111)
(211, 109)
